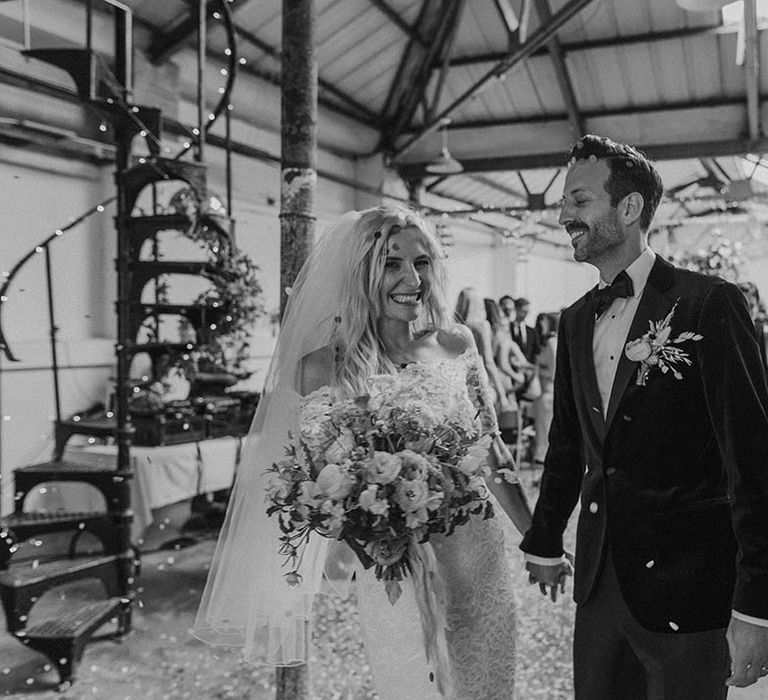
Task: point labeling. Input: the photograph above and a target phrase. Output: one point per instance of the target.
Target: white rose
(414, 466)
(382, 468)
(309, 493)
(638, 350)
(334, 482)
(277, 488)
(369, 500)
(412, 495)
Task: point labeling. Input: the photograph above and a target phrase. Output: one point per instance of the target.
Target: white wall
(39, 194)
(551, 280)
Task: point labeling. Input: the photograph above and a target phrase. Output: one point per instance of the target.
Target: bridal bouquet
(381, 472)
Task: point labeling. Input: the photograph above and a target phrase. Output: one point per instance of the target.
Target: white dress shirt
(608, 341)
(612, 328)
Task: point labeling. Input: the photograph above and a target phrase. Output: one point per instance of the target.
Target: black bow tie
(620, 288)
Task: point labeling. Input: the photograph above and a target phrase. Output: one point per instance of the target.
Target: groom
(661, 425)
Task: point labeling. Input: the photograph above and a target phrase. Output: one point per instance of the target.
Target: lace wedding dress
(479, 596)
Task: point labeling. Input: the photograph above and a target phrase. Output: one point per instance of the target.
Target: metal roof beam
(413, 75)
(396, 19)
(546, 31)
(616, 41)
(557, 55)
(669, 151)
(592, 114)
(445, 50)
(499, 186)
(517, 27)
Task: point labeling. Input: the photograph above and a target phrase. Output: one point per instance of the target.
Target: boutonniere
(656, 349)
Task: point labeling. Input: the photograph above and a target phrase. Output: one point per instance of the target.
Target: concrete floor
(159, 660)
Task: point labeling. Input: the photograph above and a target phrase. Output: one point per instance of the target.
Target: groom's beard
(601, 239)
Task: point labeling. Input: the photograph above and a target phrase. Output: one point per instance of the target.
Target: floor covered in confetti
(159, 660)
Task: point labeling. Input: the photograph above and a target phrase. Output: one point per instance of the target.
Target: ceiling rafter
(397, 20)
(273, 78)
(564, 82)
(165, 44)
(591, 114)
(517, 27)
(536, 41)
(412, 77)
(500, 186)
(670, 151)
(445, 50)
(590, 44)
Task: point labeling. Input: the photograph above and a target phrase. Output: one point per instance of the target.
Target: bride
(369, 304)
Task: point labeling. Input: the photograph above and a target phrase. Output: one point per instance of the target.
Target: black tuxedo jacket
(530, 347)
(675, 478)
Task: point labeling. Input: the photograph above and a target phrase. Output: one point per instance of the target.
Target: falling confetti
(160, 659)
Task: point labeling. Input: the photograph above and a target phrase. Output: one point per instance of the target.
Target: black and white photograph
(384, 349)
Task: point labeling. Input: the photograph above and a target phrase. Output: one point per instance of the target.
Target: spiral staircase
(23, 580)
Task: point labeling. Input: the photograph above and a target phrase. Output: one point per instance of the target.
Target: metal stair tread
(158, 347)
(64, 468)
(183, 309)
(25, 574)
(161, 219)
(105, 425)
(75, 623)
(160, 267)
(20, 520)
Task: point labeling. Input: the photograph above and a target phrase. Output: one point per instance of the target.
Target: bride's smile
(407, 276)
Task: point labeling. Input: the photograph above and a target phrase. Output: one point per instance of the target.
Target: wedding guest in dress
(507, 354)
(661, 427)
(546, 325)
(541, 328)
(366, 312)
(470, 311)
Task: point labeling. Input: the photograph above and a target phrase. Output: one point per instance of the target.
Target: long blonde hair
(470, 308)
(358, 349)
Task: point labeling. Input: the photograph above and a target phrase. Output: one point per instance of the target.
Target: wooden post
(298, 179)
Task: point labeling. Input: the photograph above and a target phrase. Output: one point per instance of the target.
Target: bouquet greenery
(382, 472)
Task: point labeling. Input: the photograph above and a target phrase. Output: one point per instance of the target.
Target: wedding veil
(247, 601)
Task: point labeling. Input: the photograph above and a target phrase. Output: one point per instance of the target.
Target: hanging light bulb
(445, 164)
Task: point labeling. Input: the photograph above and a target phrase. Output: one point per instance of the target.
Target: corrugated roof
(671, 81)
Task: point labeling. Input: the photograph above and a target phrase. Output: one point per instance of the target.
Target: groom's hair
(629, 171)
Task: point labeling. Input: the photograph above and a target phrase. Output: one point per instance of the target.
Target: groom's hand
(553, 576)
(748, 645)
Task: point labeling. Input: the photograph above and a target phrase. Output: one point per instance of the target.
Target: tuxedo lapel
(584, 357)
(654, 305)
